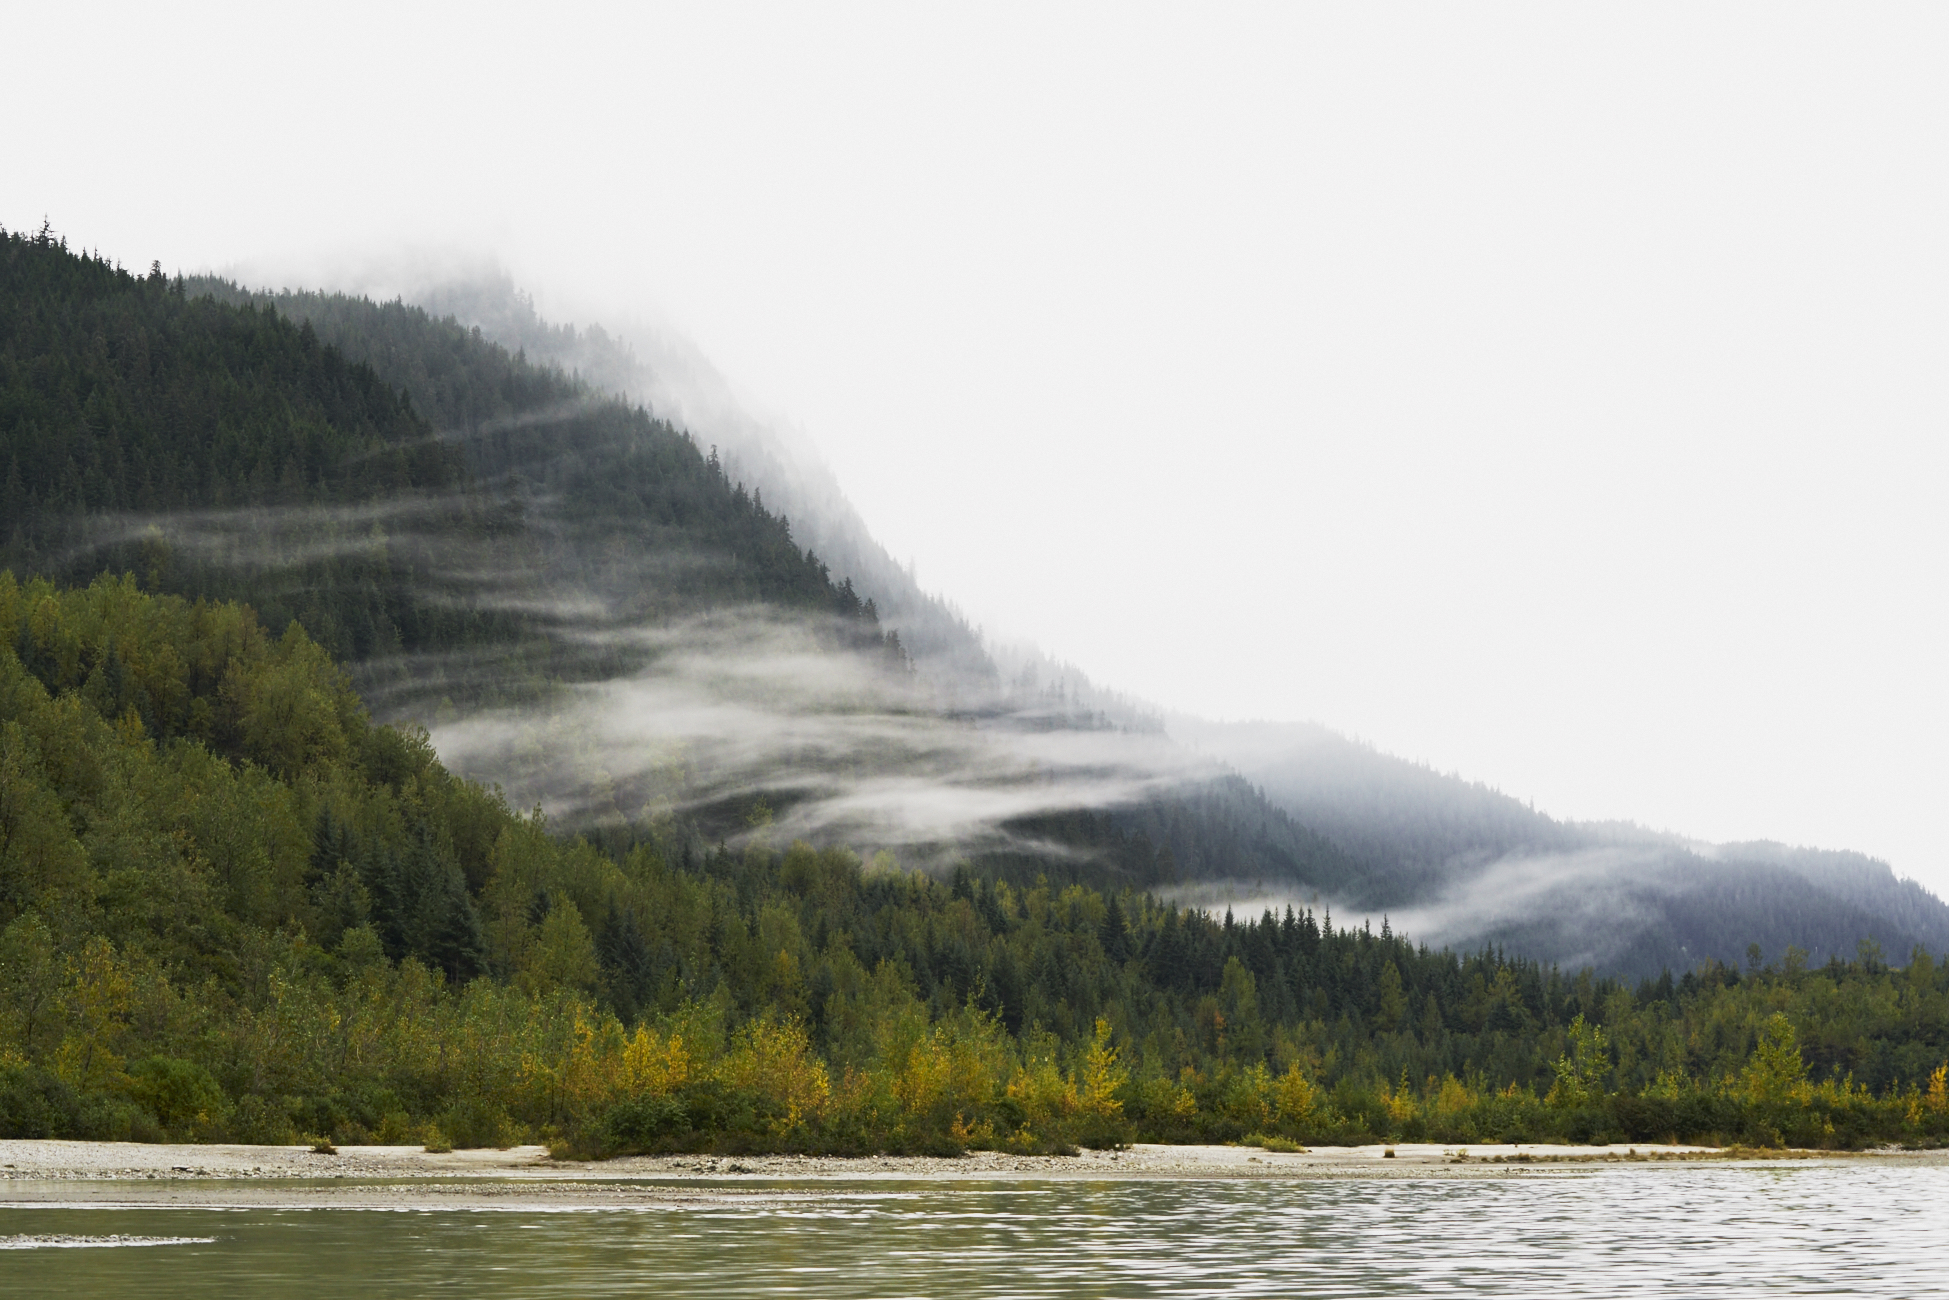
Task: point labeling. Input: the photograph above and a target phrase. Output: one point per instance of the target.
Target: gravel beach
(117, 1173)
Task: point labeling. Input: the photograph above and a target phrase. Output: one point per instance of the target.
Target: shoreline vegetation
(232, 908)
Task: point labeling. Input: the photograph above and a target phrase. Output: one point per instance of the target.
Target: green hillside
(574, 449)
(233, 907)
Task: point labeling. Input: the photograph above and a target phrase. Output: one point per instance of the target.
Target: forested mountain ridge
(679, 383)
(1211, 826)
(1363, 828)
(225, 450)
(472, 532)
(121, 399)
(680, 387)
(1214, 827)
(541, 534)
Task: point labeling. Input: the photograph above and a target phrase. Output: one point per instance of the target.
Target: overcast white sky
(1552, 393)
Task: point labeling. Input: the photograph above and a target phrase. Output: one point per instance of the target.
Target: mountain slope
(490, 508)
(680, 386)
(1456, 862)
(588, 608)
(1330, 818)
(601, 617)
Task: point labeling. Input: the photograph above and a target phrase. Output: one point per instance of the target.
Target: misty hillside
(226, 451)
(1411, 826)
(1378, 833)
(1365, 828)
(596, 612)
(680, 386)
(583, 603)
(1456, 862)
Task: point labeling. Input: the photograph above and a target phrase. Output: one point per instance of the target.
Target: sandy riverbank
(104, 1173)
(130, 1160)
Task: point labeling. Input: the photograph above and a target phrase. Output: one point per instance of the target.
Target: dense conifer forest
(231, 906)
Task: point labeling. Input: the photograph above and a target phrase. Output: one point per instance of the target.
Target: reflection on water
(1841, 1228)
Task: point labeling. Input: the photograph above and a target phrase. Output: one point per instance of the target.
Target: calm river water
(1839, 1228)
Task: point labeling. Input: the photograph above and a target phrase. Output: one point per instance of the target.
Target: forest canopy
(232, 906)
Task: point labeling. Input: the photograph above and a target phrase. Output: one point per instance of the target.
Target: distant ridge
(1456, 862)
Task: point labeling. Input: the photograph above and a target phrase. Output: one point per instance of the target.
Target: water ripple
(1840, 1228)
